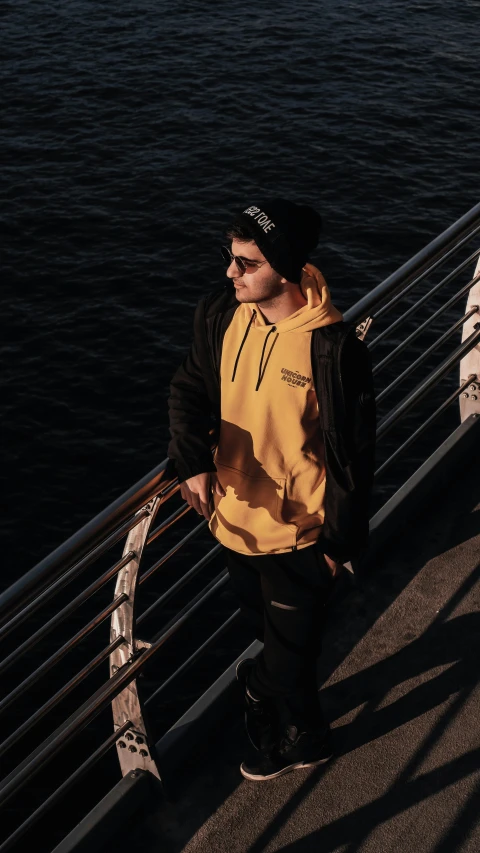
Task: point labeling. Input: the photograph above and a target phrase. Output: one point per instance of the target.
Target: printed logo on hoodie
(293, 377)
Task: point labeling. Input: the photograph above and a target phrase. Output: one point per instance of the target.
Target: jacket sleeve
(347, 512)
(190, 415)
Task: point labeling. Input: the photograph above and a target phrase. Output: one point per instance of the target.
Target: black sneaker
(260, 716)
(295, 750)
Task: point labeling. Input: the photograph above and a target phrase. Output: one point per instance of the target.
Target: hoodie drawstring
(241, 345)
(260, 374)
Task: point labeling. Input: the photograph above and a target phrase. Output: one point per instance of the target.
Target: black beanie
(284, 232)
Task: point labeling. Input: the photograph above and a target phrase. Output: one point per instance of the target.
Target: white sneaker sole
(300, 765)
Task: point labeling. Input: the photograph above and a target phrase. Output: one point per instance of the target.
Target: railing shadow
(456, 641)
(448, 644)
(358, 605)
(398, 799)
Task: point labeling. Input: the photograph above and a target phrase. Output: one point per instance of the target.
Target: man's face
(257, 284)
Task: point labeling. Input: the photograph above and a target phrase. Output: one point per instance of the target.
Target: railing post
(470, 364)
(134, 747)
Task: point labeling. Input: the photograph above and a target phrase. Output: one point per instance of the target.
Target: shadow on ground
(368, 704)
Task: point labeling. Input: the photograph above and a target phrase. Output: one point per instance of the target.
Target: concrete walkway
(400, 671)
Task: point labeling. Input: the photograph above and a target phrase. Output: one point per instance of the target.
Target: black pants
(283, 597)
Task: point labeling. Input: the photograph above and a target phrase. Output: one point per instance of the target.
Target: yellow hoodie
(269, 457)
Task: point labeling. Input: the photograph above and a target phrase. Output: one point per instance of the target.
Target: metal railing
(81, 570)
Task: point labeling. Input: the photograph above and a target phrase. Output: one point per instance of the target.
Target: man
(287, 386)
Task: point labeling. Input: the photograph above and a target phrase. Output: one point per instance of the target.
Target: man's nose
(233, 271)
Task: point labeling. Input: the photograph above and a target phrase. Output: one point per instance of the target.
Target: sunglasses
(243, 264)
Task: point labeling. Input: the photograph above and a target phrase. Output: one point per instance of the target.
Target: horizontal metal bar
(412, 399)
(76, 570)
(427, 272)
(190, 535)
(193, 658)
(60, 617)
(180, 583)
(181, 511)
(425, 325)
(420, 302)
(172, 487)
(60, 737)
(181, 617)
(47, 665)
(53, 589)
(98, 702)
(80, 543)
(415, 364)
(72, 779)
(406, 444)
(61, 694)
(398, 279)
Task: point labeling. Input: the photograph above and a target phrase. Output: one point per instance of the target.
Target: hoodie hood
(319, 311)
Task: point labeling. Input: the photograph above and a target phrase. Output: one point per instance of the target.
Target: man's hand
(196, 491)
(334, 567)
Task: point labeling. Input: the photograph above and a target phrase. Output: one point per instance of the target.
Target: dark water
(130, 133)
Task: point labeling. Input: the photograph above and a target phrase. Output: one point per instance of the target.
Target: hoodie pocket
(248, 518)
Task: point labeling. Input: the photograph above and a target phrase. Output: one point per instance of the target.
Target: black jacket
(342, 375)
